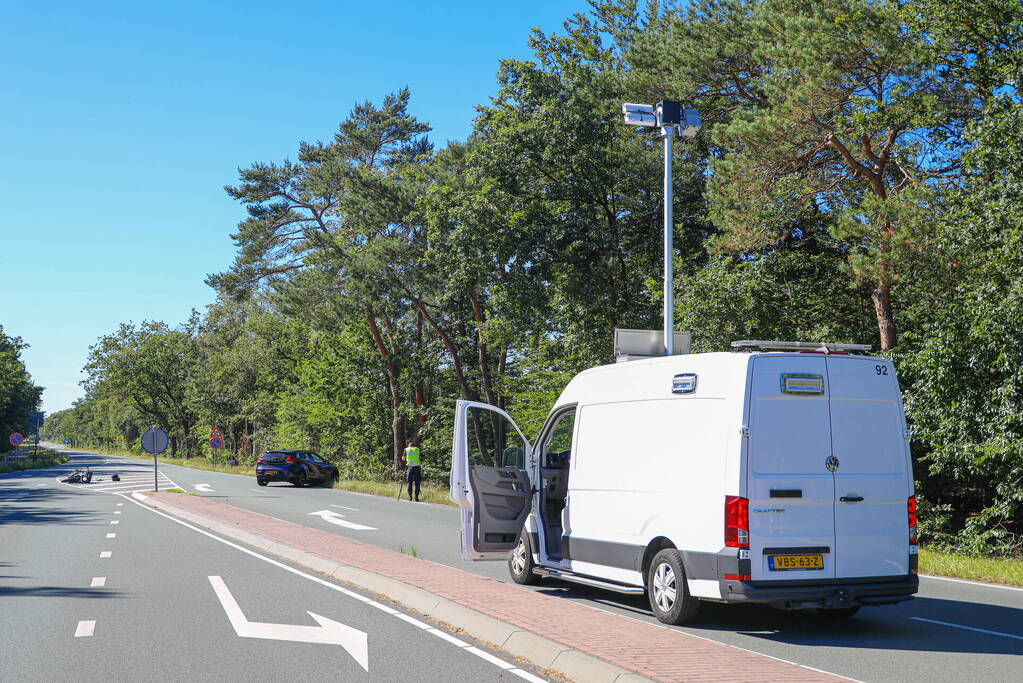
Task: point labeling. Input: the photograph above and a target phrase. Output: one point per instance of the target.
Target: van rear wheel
(668, 591)
(520, 563)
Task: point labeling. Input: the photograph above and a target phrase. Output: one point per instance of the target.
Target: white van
(778, 473)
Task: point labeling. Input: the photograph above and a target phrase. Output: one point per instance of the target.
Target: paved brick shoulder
(658, 653)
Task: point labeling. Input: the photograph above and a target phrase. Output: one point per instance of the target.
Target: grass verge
(46, 458)
(429, 492)
(987, 569)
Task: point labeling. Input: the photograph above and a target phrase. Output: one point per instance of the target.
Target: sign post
(216, 442)
(155, 441)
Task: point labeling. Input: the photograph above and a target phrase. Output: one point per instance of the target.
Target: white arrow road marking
(205, 488)
(329, 632)
(339, 519)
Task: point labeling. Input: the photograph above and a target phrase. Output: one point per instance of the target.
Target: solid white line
(968, 628)
(106, 553)
(85, 629)
(98, 582)
(490, 658)
(111, 535)
(972, 583)
(361, 598)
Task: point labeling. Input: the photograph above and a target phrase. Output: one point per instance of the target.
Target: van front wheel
(520, 564)
(668, 591)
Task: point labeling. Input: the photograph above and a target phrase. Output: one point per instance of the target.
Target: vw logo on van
(831, 463)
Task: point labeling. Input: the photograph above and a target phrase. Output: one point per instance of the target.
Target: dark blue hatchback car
(296, 467)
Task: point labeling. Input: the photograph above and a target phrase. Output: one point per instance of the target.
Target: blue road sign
(35, 420)
(17, 439)
(215, 443)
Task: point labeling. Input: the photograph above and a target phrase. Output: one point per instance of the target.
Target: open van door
(489, 480)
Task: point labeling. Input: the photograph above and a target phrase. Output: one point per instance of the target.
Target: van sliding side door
(489, 480)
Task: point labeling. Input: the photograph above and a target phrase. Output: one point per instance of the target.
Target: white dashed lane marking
(98, 582)
(85, 629)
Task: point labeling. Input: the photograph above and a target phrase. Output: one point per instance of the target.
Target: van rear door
(872, 479)
(489, 480)
(791, 492)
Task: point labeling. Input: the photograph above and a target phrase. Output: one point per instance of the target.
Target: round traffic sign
(154, 441)
(17, 439)
(215, 443)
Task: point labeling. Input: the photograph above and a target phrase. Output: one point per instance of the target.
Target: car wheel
(261, 482)
(668, 590)
(301, 479)
(331, 481)
(838, 612)
(520, 562)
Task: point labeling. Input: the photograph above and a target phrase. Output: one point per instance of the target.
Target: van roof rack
(822, 347)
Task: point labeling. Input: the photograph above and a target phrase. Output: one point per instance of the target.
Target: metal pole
(669, 299)
(156, 481)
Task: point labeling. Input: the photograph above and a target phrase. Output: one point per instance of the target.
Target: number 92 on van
(778, 563)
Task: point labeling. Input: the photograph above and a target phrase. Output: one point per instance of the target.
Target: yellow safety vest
(412, 456)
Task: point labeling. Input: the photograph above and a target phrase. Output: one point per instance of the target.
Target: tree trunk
(481, 347)
(392, 366)
(885, 320)
(420, 385)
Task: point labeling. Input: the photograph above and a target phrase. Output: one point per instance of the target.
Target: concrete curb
(538, 650)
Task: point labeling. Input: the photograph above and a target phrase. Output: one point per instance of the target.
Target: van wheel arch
(655, 546)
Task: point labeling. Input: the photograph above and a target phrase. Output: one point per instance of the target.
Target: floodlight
(635, 118)
(690, 123)
(632, 107)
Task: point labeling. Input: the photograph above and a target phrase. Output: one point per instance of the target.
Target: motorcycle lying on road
(79, 477)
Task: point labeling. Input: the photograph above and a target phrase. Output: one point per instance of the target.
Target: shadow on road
(873, 628)
(36, 506)
(57, 592)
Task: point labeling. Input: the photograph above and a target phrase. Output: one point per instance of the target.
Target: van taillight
(736, 522)
(911, 509)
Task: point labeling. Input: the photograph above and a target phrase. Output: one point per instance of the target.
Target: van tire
(520, 562)
(668, 590)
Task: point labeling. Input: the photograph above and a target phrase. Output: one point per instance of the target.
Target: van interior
(554, 471)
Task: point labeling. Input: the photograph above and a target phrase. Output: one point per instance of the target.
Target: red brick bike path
(655, 652)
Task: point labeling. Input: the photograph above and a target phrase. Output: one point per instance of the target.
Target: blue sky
(120, 122)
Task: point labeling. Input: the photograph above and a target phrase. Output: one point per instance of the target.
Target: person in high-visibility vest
(413, 468)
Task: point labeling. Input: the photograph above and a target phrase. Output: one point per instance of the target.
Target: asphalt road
(953, 631)
(95, 587)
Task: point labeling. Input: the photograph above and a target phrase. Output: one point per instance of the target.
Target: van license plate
(778, 563)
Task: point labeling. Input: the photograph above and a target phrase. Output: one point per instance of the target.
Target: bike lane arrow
(329, 632)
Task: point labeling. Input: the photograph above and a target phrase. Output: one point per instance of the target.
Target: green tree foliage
(831, 107)
(18, 395)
